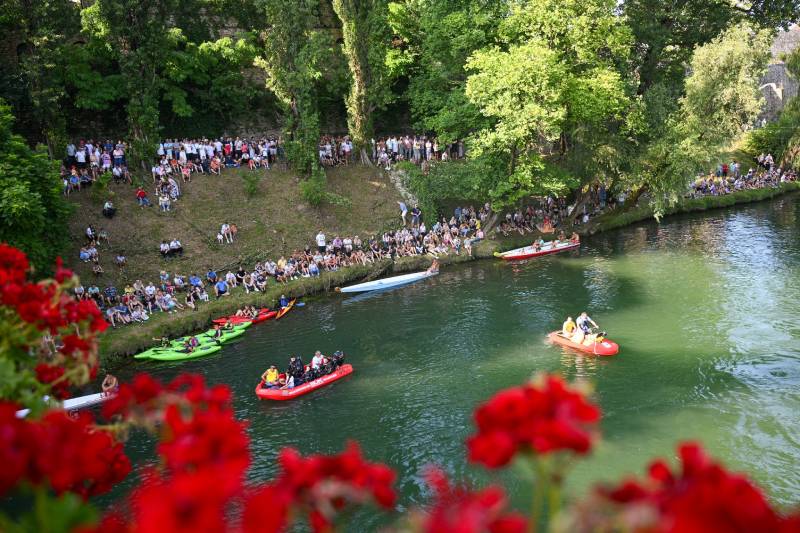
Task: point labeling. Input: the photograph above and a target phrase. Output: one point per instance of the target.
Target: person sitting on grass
(121, 260)
(109, 210)
(141, 198)
(175, 247)
(190, 299)
(221, 289)
(211, 276)
(164, 249)
(97, 270)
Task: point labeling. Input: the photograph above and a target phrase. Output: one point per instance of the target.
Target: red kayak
(604, 347)
(530, 251)
(288, 394)
(286, 309)
(263, 314)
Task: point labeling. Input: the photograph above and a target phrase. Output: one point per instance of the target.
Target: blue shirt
(222, 286)
(284, 302)
(194, 280)
(211, 275)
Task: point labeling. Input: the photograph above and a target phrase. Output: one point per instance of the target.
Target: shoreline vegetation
(117, 345)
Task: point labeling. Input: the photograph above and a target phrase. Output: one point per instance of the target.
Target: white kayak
(76, 404)
(388, 283)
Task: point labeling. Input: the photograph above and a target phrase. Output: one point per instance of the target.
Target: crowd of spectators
(175, 292)
(87, 160)
(727, 178)
(178, 160)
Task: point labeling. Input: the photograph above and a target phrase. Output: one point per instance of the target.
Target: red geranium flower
(542, 417)
(205, 439)
(323, 485)
(458, 510)
(702, 496)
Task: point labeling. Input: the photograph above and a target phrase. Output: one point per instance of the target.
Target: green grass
(271, 216)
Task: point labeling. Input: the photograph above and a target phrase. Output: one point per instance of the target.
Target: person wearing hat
(270, 378)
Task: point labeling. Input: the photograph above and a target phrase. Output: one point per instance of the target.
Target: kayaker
(583, 322)
(568, 328)
(110, 384)
(575, 238)
(217, 332)
(163, 340)
(283, 301)
(434, 268)
(191, 343)
(270, 378)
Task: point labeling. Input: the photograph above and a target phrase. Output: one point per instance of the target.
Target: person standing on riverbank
(403, 212)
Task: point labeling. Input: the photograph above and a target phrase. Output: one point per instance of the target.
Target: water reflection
(702, 307)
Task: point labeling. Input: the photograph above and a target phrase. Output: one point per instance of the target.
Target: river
(702, 306)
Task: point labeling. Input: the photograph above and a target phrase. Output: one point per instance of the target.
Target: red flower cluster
(542, 417)
(703, 496)
(53, 376)
(322, 485)
(206, 439)
(31, 309)
(43, 304)
(68, 454)
(457, 510)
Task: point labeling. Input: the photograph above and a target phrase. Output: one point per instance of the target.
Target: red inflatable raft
(604, 347)
(263, 314)
(288, 394)
(529, 251)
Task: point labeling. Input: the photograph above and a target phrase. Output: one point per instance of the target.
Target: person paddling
(434, 268)
(583, 323)
(284, 301)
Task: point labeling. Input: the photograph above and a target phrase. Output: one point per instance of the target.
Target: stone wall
(777, 86)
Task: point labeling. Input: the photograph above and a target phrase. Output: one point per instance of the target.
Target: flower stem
(539, 489)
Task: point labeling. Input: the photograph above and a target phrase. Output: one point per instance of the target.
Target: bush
(251, 181)
(313, 191)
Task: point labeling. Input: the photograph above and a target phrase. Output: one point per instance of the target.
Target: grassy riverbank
(618, 219)
(117, 344)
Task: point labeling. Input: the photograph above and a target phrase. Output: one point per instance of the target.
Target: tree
(39, 32)
(31, 203)
(554, 81)
(293, 55)
(434, 40)
(721, 101)
(364, 30)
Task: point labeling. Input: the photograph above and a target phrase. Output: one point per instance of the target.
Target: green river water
(703, 307)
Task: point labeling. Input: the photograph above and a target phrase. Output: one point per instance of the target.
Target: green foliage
(435, 39)
(721, 101)
(251, 182)
(314, 190)
(33, 212)
(555, 80)
(294, 55)
(366, 41)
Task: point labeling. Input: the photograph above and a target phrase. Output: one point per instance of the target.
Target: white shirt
(320, 239)
(317, 361)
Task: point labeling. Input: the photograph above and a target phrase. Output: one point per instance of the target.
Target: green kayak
(180, 355)
(226, 336)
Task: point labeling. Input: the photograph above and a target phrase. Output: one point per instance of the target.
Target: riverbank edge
(116, 345)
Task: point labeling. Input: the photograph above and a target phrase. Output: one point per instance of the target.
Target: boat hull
(305, 388)
(604, 348)
(284, 310)
(528, 252)
(388, 283)
(263, 315)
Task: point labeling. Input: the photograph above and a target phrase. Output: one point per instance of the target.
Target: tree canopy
(547, 95)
